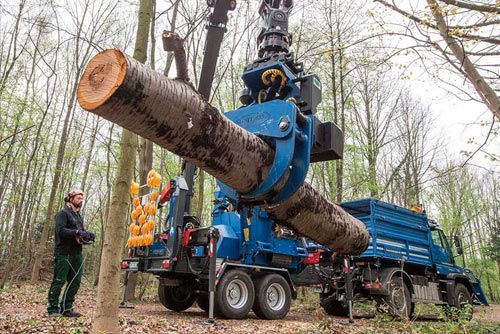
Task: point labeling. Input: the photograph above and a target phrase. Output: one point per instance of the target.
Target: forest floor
(23, 310)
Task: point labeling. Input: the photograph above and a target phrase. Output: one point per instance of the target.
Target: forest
(413, 85)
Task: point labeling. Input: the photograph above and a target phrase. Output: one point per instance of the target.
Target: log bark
(173, 115)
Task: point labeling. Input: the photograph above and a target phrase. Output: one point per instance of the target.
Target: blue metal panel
(275, 122)
(476, 286)
(228, 246)
(261, 241)
(396, 233)
(247, 236)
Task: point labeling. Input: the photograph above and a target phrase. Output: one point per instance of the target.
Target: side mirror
(460, 251)
(456, 241)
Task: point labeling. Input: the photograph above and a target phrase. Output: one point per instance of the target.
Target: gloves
(86, 235)
(82, 233)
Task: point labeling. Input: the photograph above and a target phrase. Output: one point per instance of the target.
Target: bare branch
(15, 133)
(480, 7)
(418, 20)
(484, 90)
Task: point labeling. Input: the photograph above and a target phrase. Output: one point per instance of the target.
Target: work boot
(71, 314)
(55, 315)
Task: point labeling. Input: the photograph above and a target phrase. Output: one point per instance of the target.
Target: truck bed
(396, 233)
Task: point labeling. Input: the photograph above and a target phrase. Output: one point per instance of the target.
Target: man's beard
(78, 206)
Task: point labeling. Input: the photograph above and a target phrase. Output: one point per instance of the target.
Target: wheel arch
(453, 280)
(459, 278)
(387, 274)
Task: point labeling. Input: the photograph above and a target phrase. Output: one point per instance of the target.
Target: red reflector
(167, 191)
(372, 286)
(313, 257)
(165, 264)
(185, 237)
(124, 265)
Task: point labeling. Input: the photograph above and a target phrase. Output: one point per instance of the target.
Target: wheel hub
(461, 299)
(237, 294)
(275, 296)
(398, 298)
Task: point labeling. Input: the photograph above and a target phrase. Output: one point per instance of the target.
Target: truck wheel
(235, 295)
(398, 302)
(203, 302)
(462, 298)
(176, 298)
(332, 306)
(272, 297)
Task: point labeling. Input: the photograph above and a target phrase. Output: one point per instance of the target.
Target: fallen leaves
(23, 310)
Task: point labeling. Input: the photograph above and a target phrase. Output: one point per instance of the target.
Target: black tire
(272, 297)
(235, 295)
(462, 298)
(176, 298)
(398, 302)
(333, 306)
(203, 302)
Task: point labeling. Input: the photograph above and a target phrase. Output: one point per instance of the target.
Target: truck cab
(442, 253)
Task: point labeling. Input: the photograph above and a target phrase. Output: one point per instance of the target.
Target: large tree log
(173, 115)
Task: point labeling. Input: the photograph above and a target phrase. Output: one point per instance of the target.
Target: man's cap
(72, 193)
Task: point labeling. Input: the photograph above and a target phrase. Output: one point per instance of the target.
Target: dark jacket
(67, 224)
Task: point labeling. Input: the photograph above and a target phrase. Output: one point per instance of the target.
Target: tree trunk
(35, 273)
(106, 313)
(124, 91)
(88, 159)
(145, 165)
(80, 57)
(145, 159)
(12, 250)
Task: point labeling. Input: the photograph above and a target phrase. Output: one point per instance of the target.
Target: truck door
(441, 253)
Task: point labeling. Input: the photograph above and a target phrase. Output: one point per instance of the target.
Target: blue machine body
(253, 79)
(246, 233)
(247, 236)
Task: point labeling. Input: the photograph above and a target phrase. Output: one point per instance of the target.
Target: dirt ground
(23, 310)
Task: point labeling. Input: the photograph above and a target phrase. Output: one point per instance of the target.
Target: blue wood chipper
(245, 260)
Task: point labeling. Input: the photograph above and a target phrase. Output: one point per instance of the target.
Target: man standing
(70, 234)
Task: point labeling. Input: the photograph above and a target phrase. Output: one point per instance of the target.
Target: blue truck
(409, 259)
(245, 259)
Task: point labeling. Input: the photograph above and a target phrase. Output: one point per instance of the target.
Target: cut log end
(103, 75)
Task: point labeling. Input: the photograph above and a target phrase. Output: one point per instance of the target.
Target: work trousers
(67, 269)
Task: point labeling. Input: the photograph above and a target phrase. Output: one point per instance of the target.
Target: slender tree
(106, 313)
